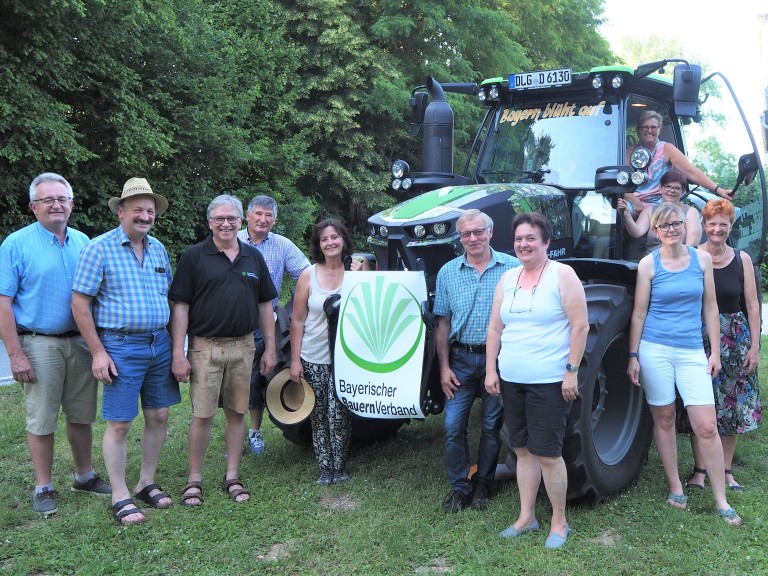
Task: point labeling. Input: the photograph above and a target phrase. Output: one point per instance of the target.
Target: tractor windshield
(559, 143)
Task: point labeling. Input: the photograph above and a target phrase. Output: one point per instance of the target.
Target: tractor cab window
(552, 142)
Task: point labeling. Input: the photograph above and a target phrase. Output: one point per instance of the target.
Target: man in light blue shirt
(282, 256)
(463, 301)
(48, 356)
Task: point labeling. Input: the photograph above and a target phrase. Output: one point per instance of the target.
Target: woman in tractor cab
(664, 156)
(672, 186)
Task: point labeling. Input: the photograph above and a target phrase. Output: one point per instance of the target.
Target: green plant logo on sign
(383, 324)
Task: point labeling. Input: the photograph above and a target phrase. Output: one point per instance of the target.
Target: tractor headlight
(640, 158)
(400, 169)
(440, 229)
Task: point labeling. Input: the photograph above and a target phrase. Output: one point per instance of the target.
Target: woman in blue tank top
(675, 287)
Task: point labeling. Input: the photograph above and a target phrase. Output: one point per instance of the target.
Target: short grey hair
(650, 114)
(664, 210)
(473, 213)
(48, 177)
(264, 201)
(222, 200)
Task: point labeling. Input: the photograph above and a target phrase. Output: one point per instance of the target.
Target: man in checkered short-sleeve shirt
(463, 300)
(120, 304)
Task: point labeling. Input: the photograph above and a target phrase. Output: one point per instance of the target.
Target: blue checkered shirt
(281, 256)
(468, 296)
(127, 296)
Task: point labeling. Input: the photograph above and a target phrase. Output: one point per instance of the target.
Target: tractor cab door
(723, 146)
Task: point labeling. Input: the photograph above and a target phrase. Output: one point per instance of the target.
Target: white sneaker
(256, 442)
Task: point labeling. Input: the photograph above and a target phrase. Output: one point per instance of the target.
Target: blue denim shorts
(143, 363)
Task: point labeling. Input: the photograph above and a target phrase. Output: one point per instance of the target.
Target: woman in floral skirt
(736, 386)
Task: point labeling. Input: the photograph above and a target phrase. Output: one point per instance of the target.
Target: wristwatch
(633, 355)
(571, 368)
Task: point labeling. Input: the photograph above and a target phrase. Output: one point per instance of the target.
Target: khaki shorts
(220, 365)
(63, 380)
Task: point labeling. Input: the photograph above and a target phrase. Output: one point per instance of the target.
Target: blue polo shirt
(127, 296)
(468, 296)
(37, 272)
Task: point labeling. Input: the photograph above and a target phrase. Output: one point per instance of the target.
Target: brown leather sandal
(235, 492)
(186, 496)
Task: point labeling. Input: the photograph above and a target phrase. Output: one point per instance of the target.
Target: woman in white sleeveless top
(536, 338)
(329, 246)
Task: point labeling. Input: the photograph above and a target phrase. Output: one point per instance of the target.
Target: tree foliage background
(305, 100)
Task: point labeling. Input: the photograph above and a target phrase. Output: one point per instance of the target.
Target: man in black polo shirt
(221, 293)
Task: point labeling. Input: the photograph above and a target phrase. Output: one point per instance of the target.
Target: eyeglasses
(676, 225)
(669, 188)
(649, 128)
(479, 233)
(221, 219)
(533, 291)
(62, 200)
(530, 304)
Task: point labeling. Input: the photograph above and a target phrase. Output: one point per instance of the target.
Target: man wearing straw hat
(120, 304)
(222, 292)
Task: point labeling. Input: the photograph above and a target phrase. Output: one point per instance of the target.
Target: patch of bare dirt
(277, 552)
(339, 502)
(436, 566)
(606, 539)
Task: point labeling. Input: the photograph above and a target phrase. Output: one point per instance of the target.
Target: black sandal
(125, 508)
(690, 484)
(152, 501)
(735, 486)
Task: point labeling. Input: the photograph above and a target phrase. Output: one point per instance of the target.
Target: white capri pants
(662, 367)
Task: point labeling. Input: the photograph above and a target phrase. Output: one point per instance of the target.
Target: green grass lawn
(385, 521)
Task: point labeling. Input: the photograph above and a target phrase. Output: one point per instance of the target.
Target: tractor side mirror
(685, 89)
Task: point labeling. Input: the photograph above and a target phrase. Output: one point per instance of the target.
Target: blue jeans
(469, 368)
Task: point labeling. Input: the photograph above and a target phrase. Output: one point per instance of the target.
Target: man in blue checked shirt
(120, 304)
(463, 300)
(282, 256)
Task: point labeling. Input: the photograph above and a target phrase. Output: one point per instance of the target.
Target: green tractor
(563, 143)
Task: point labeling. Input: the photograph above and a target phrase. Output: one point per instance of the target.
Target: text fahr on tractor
(563, 143)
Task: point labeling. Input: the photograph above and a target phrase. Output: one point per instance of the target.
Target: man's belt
(69, 334)
(474, 348)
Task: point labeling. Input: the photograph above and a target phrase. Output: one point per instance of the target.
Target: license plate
(540, 79)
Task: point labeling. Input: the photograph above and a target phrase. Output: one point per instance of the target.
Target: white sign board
(379, 351)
